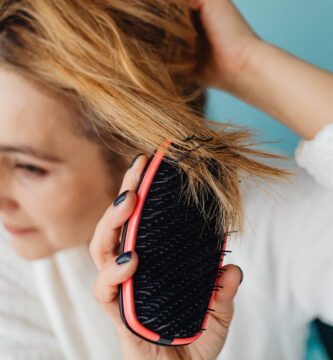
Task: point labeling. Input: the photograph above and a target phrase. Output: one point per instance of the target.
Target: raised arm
(292, 91)
(287, 88)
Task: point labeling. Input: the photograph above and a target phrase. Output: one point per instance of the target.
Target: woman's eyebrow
(28, 150)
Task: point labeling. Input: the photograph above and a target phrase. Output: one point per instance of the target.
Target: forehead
(30, 114)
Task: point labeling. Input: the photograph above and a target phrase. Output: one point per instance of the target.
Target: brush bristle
(179, 255)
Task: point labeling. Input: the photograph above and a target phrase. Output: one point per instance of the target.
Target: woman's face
(51, 180)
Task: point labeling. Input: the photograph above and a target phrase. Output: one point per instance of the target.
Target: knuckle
(106, 294)
(94, 242)
(112, 293)
(92, 253)
(99, 226)
(97, 293)
(93, 249)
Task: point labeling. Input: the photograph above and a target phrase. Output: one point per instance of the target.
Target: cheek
(67, 212)
(65, 215)
(76, 214)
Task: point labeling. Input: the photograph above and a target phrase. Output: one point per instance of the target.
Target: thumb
(231, 278)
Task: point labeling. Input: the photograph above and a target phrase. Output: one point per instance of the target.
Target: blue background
(303, 28)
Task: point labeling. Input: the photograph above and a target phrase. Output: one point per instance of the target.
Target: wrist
(243, 73)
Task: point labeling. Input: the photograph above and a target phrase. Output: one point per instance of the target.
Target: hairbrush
(168, 298)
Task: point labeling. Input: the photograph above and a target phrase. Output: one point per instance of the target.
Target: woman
(83, 89)
(144, 110)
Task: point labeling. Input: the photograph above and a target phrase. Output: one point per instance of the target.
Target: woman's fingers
(105, 240)
(231, 278)
(132, 175)
(106, 287)
(112, 274)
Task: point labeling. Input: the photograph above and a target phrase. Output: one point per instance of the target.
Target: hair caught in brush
(127, 66)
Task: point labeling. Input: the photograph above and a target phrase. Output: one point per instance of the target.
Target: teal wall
(305, 29)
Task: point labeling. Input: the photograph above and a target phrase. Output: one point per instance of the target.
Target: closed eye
(31, 169)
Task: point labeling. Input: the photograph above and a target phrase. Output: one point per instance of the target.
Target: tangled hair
(127, 66)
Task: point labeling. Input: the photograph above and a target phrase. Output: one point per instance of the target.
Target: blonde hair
(128, 67)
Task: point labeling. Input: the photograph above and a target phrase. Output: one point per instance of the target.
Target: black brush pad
(179, 254)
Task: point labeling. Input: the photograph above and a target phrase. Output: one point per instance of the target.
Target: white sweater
(47, 310)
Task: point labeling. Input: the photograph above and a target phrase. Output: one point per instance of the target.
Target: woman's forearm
(287, 88)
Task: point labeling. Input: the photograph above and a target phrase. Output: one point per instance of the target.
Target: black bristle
(227, 251)
(228, 233)
(179, 257)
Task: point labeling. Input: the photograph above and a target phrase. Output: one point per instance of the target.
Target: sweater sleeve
(24, 330)
(316, 156)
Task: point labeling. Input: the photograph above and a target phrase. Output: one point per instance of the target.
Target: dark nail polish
(120, 198)
(242, 274)
(124, 258)
(135, 158)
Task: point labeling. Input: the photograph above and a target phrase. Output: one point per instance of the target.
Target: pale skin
(240, 63)
(50, 196)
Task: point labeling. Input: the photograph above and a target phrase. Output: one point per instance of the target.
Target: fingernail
(120, 198)
(135, 158)
(242, 274)
(124, 258)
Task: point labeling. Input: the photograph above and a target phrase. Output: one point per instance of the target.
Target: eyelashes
(31, 169)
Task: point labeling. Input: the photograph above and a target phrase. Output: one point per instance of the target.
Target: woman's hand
(104, 248)
(230, 42)
(287, 88)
